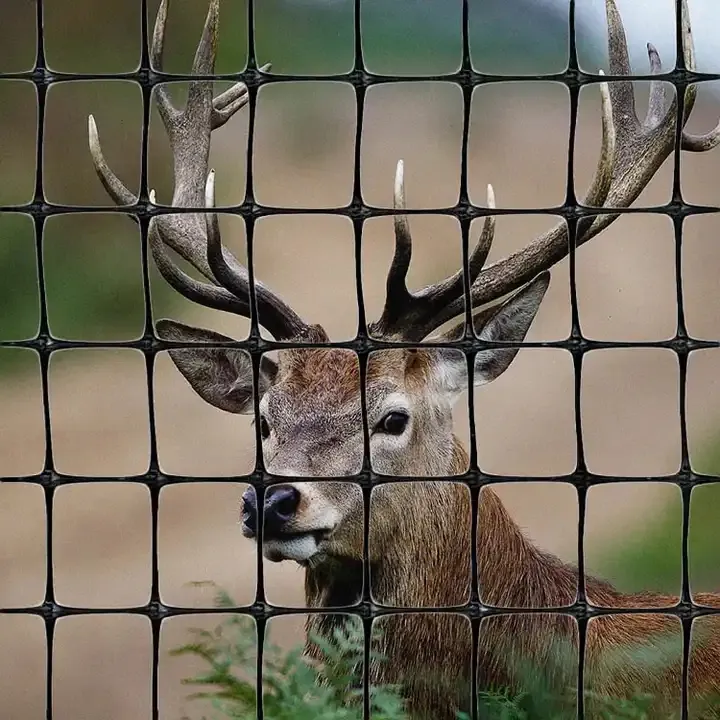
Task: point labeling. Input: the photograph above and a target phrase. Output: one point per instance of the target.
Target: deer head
(311, 420)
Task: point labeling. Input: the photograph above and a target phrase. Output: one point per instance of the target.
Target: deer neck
(512, 571)
(421, 558)
(335, 582)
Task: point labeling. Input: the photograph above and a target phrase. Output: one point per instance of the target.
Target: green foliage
(93, 281)
(19, 297)
(93, 278)
(294, 687)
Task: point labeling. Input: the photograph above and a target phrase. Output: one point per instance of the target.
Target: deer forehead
(336, 371)
(311, 379)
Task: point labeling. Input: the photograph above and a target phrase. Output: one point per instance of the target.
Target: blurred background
(303, 157)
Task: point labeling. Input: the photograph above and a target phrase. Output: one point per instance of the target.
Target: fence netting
(358, 211)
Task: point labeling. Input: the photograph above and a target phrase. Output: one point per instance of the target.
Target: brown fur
(320, 370)
(338, 370)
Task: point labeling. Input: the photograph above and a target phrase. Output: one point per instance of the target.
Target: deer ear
(506, 322)
(220, 376)
(510, 322)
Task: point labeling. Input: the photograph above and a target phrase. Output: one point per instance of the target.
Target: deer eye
(394, 423)
(264, 428)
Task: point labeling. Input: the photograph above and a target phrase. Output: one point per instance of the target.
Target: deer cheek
(347, 541)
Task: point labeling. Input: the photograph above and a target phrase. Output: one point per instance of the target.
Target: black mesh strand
(358, 211)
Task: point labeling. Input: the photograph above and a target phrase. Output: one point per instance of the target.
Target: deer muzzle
(281, 504)
(285, 535)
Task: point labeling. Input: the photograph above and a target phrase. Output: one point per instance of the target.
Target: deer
(312, 422)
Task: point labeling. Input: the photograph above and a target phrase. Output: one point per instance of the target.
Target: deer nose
(281, 503)
(249, 511)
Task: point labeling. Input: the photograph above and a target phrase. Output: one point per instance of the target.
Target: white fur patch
(299, 548)
(451, 374)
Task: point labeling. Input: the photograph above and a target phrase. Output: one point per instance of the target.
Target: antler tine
(622, 96)
(397, 291)
(282, 322)
(482, 249)
(689, 57)
(204, 61)
(412, 315)
(701, 143)
(200, 101)
(690, 142)
(167, 111)
(112, 184)
(602, 181)
(228, 103)
(657, 105)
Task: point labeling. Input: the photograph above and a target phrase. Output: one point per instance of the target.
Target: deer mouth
(299, 546)
(282, 539)
(273, 533)
(249, 530)
(278, 545)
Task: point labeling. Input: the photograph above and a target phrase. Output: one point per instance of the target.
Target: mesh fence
(358, 211)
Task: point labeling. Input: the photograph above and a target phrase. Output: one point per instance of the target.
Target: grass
(296, 688)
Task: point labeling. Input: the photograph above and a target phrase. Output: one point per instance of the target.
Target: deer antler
(632, 152)
(193, 236)
(411, 316)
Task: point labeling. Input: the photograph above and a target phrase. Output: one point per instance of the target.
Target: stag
(311, 424)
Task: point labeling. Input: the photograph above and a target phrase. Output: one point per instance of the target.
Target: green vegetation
(19, 297)
(295, 688)
(652, 560)
(93, 280)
